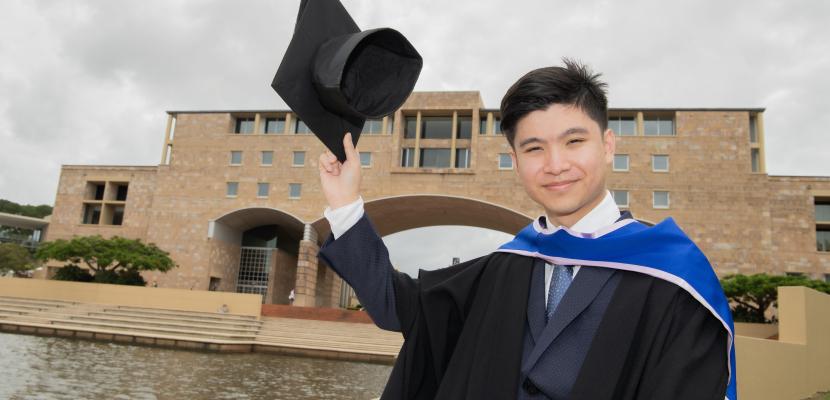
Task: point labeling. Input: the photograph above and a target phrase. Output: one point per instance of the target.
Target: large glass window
(620, 197)
(620, 162)
(505, 161)
(299, 159)
(295, 190)
(121, 192)
(659, 163)
(753, 129)
(496, 126)
(435, 158)
(823, 212)
(262, 189)
(436, 127)
(236, 157)
(756, 159)
(482, 125)
(301, 127)
(244, 125)
(231, 189)
(823, 240)
(464, 128)
(275, 125)
(462, 158)
(411, 127)
(407, 157)
(623, 126)
(658, 126)
(390, 123)
(118, 215)
(373, 127)
(660, 199)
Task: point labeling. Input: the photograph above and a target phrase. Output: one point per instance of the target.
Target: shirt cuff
(343, 218)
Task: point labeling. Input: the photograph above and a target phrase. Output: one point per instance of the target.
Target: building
(236, 198)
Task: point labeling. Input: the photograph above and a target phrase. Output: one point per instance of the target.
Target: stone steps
(149, 317)
(154, 311)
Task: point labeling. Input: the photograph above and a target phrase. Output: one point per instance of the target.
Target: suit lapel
(585, 287)
(536, 302)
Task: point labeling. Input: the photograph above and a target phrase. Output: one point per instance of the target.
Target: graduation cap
(335, 76)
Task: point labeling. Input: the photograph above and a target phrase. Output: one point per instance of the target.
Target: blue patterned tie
(559, 282)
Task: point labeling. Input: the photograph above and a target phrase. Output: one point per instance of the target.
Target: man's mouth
(557, 186)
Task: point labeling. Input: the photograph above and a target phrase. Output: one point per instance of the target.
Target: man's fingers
(348, 145)
(328, 162)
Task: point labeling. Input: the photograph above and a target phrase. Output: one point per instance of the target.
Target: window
(505, 161)
(301, 127)
(262, 189)
(231, 189)
(496, 126)
(373, 127)
(236, 157)
(482, 126)
(121, 192)
(294, 190)
(411, 127)
(756, 159)
(794, 274)
(822, 240)
(659, 163)
(827, 278)
(658, 126)
(435, 158)
(299, 159)
(462, 158)
(267, 158)
(753, 129)
(620, 162)
(407, 157)
(244, 125)
(620, 197)
(436, 128)
(95, 191)
(660, 199)
(464, 127)
(390, 123)
(92, 214)
(365, 159)
(823, 211)
(117, 213)
(623, 126)
(274, 125)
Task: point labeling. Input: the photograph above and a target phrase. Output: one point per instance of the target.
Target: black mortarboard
(335, 77)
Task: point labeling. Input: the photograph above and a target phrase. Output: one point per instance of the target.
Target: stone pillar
(305, 287)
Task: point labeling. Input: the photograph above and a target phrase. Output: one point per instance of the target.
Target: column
(305, 286)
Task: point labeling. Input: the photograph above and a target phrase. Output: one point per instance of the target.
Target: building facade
(237, 203)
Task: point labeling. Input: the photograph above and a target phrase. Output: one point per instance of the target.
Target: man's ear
(609, 143)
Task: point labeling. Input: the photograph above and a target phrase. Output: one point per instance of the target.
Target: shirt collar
(604, 214)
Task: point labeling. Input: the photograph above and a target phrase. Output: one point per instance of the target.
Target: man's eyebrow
(529, 141)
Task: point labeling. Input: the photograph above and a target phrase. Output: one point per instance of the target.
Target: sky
(88, 82)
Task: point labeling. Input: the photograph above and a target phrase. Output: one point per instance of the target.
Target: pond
(35, 367)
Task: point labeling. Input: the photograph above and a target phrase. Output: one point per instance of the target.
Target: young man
(585, 303)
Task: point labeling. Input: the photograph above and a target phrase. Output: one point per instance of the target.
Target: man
(585, 303)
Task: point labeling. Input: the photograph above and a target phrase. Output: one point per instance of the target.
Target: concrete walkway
(199, 330)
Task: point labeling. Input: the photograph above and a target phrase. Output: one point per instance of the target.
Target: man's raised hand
(340, 181)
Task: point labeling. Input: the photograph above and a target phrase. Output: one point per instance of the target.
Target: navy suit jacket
(553, 352)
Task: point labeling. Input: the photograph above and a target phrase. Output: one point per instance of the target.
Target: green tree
(14, 257)
(752, 295)
(113, 260)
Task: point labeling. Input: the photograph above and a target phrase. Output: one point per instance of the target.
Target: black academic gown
(464, 326)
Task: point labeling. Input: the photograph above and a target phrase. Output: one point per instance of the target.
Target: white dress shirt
(604, 214)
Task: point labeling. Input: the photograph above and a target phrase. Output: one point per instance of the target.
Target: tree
(752, 295)
(14, 257)
(114, 260)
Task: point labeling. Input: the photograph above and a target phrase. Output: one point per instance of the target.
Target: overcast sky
(88, 82)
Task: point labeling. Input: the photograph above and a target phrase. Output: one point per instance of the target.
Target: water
(33, 367)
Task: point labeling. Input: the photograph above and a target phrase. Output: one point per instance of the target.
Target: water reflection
(56, 368)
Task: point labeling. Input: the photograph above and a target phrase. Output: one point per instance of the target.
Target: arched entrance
(255, 250)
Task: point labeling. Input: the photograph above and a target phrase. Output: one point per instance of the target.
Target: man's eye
(576, 141)
(533, 148)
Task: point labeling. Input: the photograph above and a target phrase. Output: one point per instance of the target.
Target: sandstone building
(236, 198)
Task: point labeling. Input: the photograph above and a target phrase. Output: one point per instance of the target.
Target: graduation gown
(464, 325)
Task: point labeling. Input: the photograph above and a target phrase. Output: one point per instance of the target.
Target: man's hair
(574, 84)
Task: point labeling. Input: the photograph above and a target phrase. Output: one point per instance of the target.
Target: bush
(72, 272)
(130, 277)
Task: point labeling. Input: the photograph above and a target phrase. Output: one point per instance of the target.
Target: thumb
(348, 146)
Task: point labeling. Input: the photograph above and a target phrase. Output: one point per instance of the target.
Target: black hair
(574, 84)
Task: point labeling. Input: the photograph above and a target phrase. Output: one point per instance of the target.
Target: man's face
(562, 159)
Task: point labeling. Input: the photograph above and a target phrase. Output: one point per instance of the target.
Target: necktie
(559, 282)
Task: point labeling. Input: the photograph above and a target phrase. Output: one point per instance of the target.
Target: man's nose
(556, 162)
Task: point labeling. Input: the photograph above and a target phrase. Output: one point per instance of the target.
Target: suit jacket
(476, 330)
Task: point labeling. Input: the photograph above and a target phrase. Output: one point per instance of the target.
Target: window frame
(499, 161)
(627, 163)
(259, 187)
(654, 166)
(627, 197)
(235, 186)
(235, 152)
(299, 187)
(262, 158)
(654, 199)
(294, 158)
